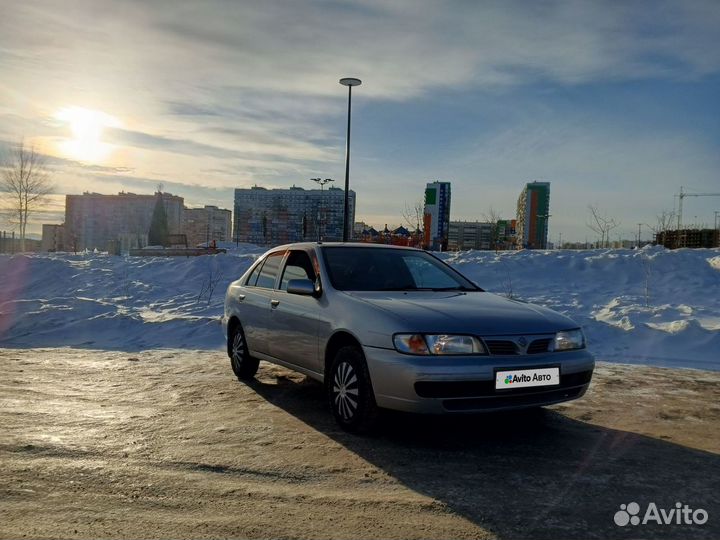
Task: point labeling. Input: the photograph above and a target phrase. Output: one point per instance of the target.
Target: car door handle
(274, 303)
(241, 297)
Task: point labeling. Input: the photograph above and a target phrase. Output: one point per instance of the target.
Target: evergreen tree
(159, 231)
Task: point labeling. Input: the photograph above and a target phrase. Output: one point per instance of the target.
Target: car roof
(312, 245)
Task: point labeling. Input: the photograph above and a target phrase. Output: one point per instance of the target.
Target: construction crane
(680, 203)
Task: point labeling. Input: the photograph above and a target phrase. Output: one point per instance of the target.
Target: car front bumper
(457, 384)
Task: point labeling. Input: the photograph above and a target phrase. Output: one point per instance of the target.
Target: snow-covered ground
(651, 306)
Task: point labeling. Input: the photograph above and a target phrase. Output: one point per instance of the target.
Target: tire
(350, 392)
(243, 365)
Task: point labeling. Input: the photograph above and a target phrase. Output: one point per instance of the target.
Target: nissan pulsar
(385, 327)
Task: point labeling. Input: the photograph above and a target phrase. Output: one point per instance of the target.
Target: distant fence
(10, 243)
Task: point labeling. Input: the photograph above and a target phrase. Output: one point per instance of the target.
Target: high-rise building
(278, 216)
(533, 213)
(207, 224)
(93, 220)
(436, 221)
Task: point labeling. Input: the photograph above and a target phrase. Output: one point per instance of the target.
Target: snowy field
(651, 306)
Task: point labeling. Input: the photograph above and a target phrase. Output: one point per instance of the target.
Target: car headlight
(438, 344)
(568, 340)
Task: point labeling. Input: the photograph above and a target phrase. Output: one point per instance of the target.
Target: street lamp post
(322, 200)
(349, 82)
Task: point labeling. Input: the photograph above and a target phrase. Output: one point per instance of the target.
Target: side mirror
(304, 287)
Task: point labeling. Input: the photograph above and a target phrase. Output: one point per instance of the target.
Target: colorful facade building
(506, 234)
(533, 214)
(436, 220)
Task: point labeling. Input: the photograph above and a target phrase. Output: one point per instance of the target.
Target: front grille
(539, 346)
(501, 347)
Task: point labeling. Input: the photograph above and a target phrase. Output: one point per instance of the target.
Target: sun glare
(86, 127)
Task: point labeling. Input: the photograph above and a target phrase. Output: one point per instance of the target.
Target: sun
(86, 127)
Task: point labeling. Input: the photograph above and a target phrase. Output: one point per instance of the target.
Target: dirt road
(166, 444)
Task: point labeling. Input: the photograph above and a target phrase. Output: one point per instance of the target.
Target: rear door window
(252, 280)
(269, 271)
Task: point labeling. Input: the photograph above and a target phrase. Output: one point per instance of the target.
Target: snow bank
(126, 303)
(651, 306)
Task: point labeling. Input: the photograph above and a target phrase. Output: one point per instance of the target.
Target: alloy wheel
(238, 348)
(345, 390)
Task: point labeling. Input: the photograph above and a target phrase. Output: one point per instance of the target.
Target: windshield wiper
(433, 289)
(458, 288)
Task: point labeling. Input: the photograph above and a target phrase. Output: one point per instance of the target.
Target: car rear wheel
(243, 365)
(350, 391)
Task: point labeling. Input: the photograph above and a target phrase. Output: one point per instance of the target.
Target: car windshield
(387, 269)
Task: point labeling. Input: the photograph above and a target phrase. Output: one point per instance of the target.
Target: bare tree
(413, 215)
(214, 276)
(24, 185)
(602, 225)
(492, 216)
(507, 278)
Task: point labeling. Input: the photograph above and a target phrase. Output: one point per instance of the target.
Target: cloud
(246, 145)
(181, 108)
(220, 94)
(403, 48)
(407, 48)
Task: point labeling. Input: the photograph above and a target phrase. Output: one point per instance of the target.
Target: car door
(255, 307)
(294, 318)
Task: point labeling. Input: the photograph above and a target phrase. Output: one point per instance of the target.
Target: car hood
(480, 313)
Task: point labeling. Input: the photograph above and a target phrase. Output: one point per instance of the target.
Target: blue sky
(615, 103)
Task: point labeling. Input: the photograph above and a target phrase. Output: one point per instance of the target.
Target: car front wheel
(350, 391)
(243, 365)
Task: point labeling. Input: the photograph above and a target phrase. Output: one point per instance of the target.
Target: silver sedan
(397, 328)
